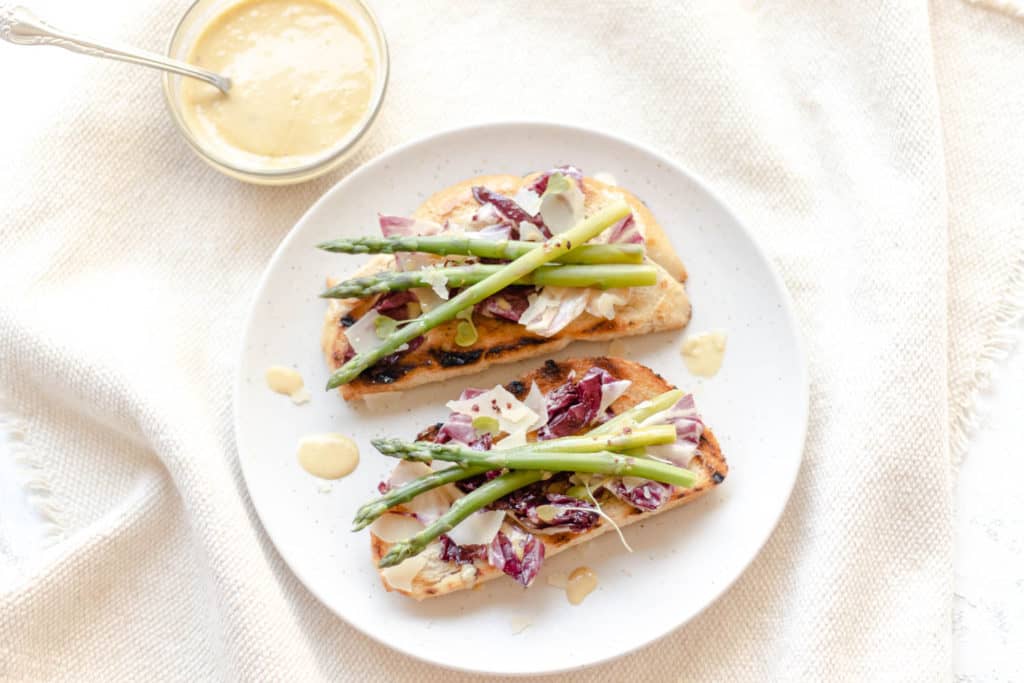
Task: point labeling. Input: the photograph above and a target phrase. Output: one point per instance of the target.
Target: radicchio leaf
(626, 231)
(522, 566)
(459, 428)
(689, 428)
(575, 405)
(507, 209)
(650, 495)
(461, 554)
(393, 226)
(392, 358)
(523, 505)
(473, 483)
(507, 304)
(395, 304)
(541, 183)
(505, 206)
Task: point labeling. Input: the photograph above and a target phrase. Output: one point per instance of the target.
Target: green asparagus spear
(403, 494)
(601, 276)
(485, 494)
(505, 250)
(598, 462)
(548, 251)
(425, 451)
(640, 412)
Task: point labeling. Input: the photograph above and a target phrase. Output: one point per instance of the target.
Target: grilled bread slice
(439, 577)
(663, 306)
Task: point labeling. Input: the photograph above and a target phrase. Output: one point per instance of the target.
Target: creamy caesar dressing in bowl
(308, 77)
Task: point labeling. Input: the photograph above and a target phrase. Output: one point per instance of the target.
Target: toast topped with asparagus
(497, 269)
(526, 470)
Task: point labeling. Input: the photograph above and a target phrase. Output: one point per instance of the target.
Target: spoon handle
(19, 26)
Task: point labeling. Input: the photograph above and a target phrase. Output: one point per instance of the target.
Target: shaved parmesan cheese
(485, 215)
(528, 200)
(602, 303)
(391, 528)
(528, 232)
(428, 298)
(437, 281)
(538, 403)
(408, 261)
(429, 505)
(438, 465)
(561, 207)
(514, 439)
(511, 413)
(401, 575)
(362, 335)
(610, 392)
(407, 470)
(678, 453)
(479, 528)
(554, 308)
(632, 482)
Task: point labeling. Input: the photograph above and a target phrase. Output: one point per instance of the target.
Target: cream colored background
(873, 147)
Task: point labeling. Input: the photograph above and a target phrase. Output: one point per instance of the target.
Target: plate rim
(787, 308)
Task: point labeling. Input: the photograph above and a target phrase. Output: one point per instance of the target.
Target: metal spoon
(19, 26)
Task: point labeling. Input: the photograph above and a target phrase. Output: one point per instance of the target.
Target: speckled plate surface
(757, 406)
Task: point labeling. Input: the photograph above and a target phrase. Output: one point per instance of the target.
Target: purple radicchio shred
(505, 206)
(509, 210)
(395, 305)
(522, 566)
(393, 358)
(459, 428)
(574, 405)
(395, 225)
(508, 304)
(461, 554)
(625, 231)
(541, 183)
(650, 495)
(523, 504)
(473, 483)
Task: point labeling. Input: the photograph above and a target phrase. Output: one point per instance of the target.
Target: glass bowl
(192, 23)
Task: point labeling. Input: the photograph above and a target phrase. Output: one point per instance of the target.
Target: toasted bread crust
(664, 306)
(440, 577)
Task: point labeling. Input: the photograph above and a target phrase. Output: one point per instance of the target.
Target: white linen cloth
(873, 147)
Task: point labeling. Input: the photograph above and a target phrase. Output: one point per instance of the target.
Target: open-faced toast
(439, 576)
(663, 306)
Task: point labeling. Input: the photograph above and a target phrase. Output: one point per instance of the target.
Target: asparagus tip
(396, 555)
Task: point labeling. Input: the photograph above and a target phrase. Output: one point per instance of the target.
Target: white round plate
(682, 560)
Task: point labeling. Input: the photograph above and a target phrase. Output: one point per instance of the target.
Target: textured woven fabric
(872, 147)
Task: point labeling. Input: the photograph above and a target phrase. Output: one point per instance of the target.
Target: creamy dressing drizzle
(703, 353)
(582, 582)
(328, 456)
(286, 381)
(302, 76)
